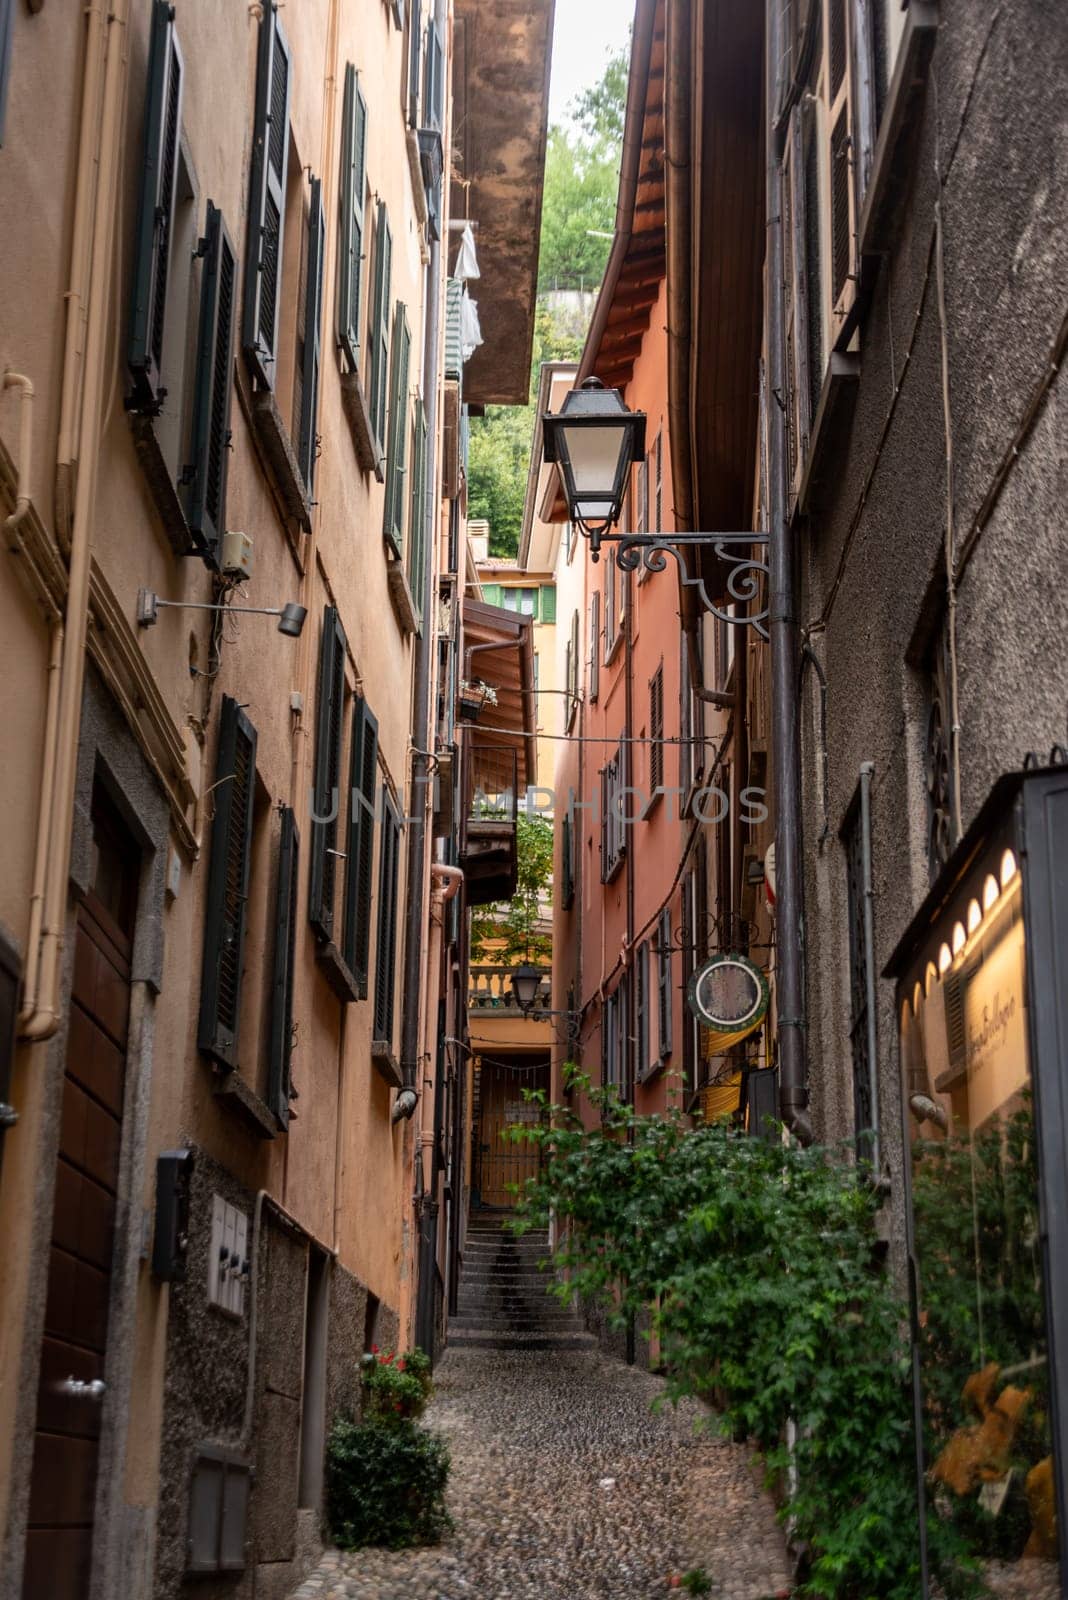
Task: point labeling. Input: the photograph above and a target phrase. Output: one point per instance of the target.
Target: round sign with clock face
(729, 993)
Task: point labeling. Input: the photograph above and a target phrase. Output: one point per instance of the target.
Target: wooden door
(71, 1390)
(504, 1162)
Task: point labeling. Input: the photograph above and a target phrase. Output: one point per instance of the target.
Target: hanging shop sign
(729, 994)
(982, 1014)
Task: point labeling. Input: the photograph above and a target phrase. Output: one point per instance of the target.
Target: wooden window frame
(665, 997)
(594, 674)
(287, 915)
(324, 899)
(156, 205)
(213, 389)
(386, 941)
(268, 187)
(229, 865)
(657, 746)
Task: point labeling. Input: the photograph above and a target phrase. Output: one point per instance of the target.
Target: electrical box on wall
(228, 1262)
(236, 554)
(174, 1173)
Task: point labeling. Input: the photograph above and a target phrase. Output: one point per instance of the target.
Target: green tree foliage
(757, 1265)
(520, 922)
(578, 205)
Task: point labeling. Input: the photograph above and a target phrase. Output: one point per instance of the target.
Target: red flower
(400, 1366)
(374, 1349)
(387, 1359)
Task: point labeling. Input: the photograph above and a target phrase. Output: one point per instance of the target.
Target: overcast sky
(587, 32)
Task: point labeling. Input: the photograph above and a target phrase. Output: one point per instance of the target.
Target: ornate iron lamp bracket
(651, 550)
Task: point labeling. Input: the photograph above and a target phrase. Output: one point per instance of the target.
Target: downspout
(785, 661)
(413, 921)
(101, 156)
(867, 773)
(630, 1021)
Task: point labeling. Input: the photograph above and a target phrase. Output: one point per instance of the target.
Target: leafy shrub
(757, 1263)
(386, 1484)
(396, 1388)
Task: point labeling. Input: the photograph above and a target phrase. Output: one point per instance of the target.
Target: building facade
(223, 290)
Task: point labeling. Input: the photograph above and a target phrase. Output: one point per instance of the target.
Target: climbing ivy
(758, 1265)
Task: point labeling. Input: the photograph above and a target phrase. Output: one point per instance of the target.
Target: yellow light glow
(990, 891)
(929, 977)
(975, 916)
(958, 937)
(917, 999)
(1008, 868)
(945, 959)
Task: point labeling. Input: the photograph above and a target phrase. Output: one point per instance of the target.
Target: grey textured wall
(995, 115)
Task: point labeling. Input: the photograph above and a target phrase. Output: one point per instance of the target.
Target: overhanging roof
(500, 122)
(510, 671)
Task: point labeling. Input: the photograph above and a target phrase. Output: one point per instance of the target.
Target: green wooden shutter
(386, 952)
(267, 198)
(548, 602)
(327, 795)
(567, 861)
(280, 1041)
(434, 100)
(353, 186)
(664, 985)
(313, 318)
(454, 352)
(415, 68)
(359, 884)
(417, 522)
(7, 31)
(594, 678)
(492, 593)
(228, 871)
(206, 507)
(397, 455)
(383, 287)
(155, 216)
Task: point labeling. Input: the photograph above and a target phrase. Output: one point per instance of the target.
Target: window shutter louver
(415, 69)
(280, 1043)
(417, 523)
(228, 871)
(7, 30)
(548, 603)
(641, 1010)
(397, 454)
(380, 328)
(210, 433)
(567, 859)
(267, 199)
(313, 314)
(363, 786)
(327, 774)
(435, 79)
(656, 731)
(664, 999)
(155, 222)
(492, 593)
(353, 185)
(386, 952)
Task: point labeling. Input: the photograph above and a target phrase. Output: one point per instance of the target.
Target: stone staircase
(504, 1301)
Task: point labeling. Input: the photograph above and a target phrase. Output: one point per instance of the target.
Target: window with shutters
(324, 903)
(547, 603)
(212, 390)
(309, 340)
(388, 914)
(280, 1090)
(567, 855)
(571, 671)
(664, 997)
(267, 199)
(155, 213)
(642, 1062)
(524, 602)
(613, 813)
(612, 633)
(378, 333)
(594, 654)
(352, 213)
(861, 975)
(233, 793)
(418, 513)
(363, 788)
(656, 734)
(398, 489)
(7, 30)
(658, 483)
(610, 1042)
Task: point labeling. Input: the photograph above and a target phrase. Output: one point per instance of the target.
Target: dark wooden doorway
(70, 1394)
(502, 1161)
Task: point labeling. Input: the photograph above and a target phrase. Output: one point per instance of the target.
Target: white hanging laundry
(470, 327)
(467, 256)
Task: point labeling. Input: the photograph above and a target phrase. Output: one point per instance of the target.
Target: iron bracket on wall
(651, 550)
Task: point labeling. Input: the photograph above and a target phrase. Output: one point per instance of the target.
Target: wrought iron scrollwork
(743, 553)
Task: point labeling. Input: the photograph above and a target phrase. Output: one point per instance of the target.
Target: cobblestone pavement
(566, 1486)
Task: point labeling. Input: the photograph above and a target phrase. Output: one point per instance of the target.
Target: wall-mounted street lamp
(526, 981)
(290, 616)
(594, 440)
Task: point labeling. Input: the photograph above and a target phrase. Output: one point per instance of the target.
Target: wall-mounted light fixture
(594, 440)
(290, 616)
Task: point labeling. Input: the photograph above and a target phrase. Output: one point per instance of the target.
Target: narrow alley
(566, 1485)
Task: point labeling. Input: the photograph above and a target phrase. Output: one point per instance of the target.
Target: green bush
(386, 1484)
(758, 1264)
(395, 1388)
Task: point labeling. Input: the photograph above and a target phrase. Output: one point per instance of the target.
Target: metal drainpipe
(793, 1095)
(408, 1098)
(867, 772)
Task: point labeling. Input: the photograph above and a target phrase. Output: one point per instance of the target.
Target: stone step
(492, 1339)
(551, 1319)
(500, 1251)
(513, 1276)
